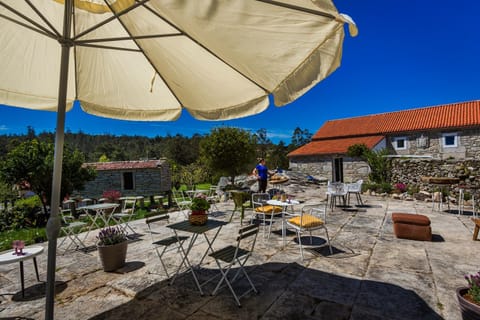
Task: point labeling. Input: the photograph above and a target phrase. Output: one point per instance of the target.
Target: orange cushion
(268, 209)
(308, 221)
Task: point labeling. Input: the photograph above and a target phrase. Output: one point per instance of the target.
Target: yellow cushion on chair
(269, 209)
(308, 221)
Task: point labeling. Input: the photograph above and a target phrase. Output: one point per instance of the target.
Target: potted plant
(199, 207)
(469, 297)
(112, 248)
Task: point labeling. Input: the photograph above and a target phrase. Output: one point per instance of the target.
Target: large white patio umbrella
(149, 59)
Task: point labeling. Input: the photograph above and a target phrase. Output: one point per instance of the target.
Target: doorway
(337, 170)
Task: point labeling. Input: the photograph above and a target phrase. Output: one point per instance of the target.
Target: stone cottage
(441, 132)
(132, 178)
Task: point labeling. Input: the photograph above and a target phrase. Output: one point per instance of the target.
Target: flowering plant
(402, 187)
(200, 202)
(112, 195)
(474, 287)
(110, 236)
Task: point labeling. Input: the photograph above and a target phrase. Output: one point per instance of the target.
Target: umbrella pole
(53, 224)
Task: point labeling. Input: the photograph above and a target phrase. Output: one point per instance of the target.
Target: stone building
(442, 132)
(132, 178)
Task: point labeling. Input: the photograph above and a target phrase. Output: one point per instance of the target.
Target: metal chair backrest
(129, 205)
(316, 210)
(259, 199)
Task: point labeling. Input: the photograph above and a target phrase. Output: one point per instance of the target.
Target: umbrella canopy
(146, 60)
(149, 59)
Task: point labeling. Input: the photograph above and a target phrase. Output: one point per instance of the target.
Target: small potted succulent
(112, 248)
(199, 207)
(469, 297)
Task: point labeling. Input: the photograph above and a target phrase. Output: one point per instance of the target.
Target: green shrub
(377, 187)
(26, 213)
(384, 187)
(412, 189)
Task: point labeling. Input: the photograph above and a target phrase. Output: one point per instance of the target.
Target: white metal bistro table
(284, 205)
(196, 230)
(28, 253)
(102, 211)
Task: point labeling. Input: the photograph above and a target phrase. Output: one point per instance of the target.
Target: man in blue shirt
(261, 172)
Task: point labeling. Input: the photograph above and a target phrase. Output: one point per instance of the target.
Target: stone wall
(147, 182)
(411, 171)
(319, 166)
(429, 143)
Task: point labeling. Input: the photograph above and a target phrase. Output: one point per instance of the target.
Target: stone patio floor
(370, 275)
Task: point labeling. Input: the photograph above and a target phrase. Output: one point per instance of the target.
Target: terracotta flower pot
(470, 310)
(113, 257)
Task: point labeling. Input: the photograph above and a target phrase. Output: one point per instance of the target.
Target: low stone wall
(411, 171)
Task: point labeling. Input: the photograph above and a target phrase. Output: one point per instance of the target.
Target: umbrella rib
(81, 42)
(205, 48)
(117, 16)
(293, 7)
(41, 29)
(113, 17)
(107, 47)
(43, 18)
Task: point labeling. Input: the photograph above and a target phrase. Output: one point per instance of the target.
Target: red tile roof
(335, 136)
(333, 146)
(125, 165)
(455, 115)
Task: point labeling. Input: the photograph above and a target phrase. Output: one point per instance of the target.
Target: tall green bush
(26, 213)
(376, 159)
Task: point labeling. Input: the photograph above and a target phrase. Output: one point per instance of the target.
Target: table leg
(36, 268)
(22, 279)
(474, 209)
(209, 244)
(186, 261)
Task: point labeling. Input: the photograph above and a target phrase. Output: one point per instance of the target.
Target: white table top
(283, 203)
(99, 206)
(28, 253)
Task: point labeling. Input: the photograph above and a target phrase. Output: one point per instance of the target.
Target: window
(128, 181)
(450, 140)
(399, 143)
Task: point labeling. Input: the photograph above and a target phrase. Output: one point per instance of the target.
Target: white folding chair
(213, 197)
(231, 255)
(124, 217)
(163, 245)
(71, 228)
(312, 217)
(182, 203)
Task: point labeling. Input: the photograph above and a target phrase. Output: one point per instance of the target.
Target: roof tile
(125, 165)
(333, 146)
(455, 115)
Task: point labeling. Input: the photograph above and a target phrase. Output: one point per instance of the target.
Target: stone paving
(370, 275)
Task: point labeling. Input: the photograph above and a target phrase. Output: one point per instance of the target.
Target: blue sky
(408, 54)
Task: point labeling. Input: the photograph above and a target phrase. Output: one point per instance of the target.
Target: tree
(278, 156)
(262, 142)
(300, 137)
(228, 150)
(378, 163)
(31, 162)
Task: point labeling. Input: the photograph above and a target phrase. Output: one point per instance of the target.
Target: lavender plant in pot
(469, 297)
(112, 248)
